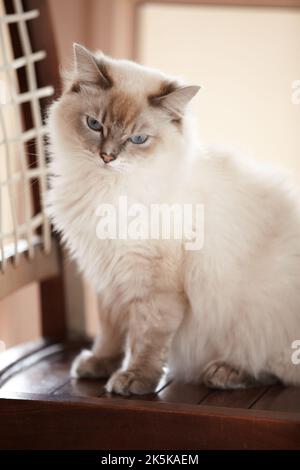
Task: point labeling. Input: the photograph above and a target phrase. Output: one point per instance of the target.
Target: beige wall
(69, 18)
(97, 24)
(19, 316)
(246, 60)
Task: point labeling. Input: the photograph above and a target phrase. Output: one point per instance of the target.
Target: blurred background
(244, 54)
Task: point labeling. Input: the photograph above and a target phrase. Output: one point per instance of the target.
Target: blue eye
(93, 124)
(138, 139)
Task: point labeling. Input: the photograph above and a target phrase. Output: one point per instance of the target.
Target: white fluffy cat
(225, 315)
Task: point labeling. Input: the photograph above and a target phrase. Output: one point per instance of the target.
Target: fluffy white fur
(235, 303)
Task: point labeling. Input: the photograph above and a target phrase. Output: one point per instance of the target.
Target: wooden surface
(41, 407)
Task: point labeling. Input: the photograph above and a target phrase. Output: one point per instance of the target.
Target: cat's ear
(91, 69)
(175, 99)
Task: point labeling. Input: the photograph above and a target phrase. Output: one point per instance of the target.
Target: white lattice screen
(19, 223)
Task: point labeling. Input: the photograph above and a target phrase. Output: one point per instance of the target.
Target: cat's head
(117, 112)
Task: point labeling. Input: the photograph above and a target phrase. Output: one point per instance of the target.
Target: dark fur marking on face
(156, 100)
(165, 89)
(122, 111)
(177, 122)
(104, 116)
(75, 88)
(104, 81)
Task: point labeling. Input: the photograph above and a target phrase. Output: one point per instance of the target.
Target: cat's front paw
(129, 382)
(87, 365)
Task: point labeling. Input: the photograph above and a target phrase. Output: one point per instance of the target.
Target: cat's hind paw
(87, 365)
(223, 376)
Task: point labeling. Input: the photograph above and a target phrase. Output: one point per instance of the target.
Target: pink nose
(107, 157)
